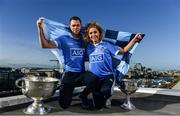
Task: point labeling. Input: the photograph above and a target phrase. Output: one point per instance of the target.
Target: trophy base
(41, 109)
(128, 106)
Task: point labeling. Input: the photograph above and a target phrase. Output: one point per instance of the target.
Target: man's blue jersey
(100, 58)
(73, 52)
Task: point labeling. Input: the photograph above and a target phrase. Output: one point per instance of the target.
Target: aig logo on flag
(76, 52)
(96, 58)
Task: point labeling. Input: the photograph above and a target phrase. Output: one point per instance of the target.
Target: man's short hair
(74, 18)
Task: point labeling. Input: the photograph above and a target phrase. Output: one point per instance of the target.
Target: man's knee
(65, 95)
(64, 104)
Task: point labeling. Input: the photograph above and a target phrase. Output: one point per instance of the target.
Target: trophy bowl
(128, 87)
(37, 88)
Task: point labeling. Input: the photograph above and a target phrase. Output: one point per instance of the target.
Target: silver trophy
(37, 88)
(128, 87)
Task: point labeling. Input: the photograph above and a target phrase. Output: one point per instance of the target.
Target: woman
(100, 55)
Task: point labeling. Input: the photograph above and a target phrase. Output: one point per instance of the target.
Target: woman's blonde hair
(92, 25)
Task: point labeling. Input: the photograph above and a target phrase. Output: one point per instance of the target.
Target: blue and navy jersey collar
(97, 43)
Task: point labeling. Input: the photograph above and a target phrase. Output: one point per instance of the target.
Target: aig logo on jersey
(76, 52)
(96, 58)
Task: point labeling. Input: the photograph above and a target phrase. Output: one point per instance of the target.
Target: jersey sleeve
(113, 48)
(57, 41)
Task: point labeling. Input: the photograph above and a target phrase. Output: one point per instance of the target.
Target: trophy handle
(17, 83)
(22, 87)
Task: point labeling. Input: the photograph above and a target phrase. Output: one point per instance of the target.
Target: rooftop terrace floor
(146, 104)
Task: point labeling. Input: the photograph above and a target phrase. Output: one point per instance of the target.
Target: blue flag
(121, 62)
(53, 30)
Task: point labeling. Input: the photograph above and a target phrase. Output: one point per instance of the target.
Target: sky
(158, 19)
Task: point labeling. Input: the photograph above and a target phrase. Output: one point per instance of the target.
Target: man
(73, 52)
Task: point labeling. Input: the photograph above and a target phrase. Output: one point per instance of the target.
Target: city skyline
(158, 19)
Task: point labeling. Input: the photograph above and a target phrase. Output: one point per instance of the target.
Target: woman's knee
(106, 92)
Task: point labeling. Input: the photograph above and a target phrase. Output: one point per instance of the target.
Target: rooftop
(148, 101)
